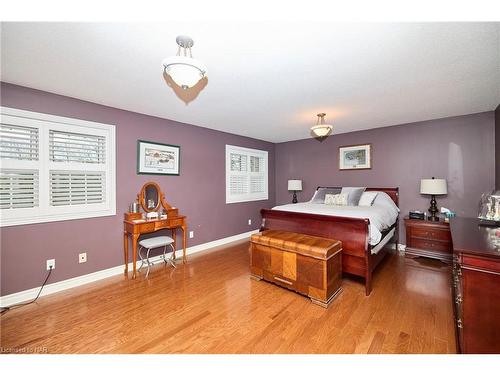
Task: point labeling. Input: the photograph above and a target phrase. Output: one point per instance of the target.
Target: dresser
(430, 239)
(476, 285)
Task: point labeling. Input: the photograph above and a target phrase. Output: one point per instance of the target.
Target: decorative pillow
(336, 199)
(319, 195)
(354, 194)
(367, 198)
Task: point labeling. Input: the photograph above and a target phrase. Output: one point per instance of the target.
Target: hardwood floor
(211, 305)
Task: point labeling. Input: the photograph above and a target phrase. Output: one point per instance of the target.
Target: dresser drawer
(431, 245)
(431, 234)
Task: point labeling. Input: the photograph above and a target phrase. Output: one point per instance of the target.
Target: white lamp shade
(434, 186)
(295, 185)
(185, 71)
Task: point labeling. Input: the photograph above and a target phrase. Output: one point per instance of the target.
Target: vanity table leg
(174, 237)
(135, 237)
(184, 239)
(125, 250)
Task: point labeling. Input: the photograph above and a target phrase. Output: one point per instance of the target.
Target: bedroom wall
(199, 192)
(497, 148)
(460, 149)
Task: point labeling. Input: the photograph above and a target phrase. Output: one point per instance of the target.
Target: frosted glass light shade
(295, 185)
(184, 71)
(434, 186)
(322, 130)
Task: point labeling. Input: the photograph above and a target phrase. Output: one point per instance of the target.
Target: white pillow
(383, 199)
(336, 199)
(367, 198)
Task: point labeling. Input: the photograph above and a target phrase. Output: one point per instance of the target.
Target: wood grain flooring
(210, 305)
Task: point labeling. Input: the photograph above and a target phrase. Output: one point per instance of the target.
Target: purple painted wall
(497, 148)
(460, 149)
(199, 192)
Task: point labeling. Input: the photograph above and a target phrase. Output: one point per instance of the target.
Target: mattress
(380, 217)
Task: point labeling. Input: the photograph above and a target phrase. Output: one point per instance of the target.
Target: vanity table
(151, 200)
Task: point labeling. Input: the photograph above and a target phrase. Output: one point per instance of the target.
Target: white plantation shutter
(54, 168)
(246, 174)
(18, 142)
(80, 148)
(75, 188)
(258, 180)
(18, 189)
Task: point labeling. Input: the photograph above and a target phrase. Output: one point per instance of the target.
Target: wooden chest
(306, 264)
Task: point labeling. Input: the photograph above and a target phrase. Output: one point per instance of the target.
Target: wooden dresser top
(471, 238)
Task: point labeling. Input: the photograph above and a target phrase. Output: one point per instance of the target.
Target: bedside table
(430, 239)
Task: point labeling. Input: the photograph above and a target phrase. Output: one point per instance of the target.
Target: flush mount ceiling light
(183, 69)
(321, 130)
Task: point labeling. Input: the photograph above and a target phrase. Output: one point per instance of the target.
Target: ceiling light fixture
(183, 69)
(321, 130)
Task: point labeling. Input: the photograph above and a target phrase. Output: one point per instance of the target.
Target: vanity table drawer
(176, 222)
(147, 227)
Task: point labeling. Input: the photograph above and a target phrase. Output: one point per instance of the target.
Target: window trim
(249, 152)
(44, 165)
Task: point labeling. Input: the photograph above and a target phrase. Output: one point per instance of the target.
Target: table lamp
(433, 186)
(295, 186)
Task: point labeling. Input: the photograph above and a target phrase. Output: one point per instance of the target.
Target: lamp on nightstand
(295, 186)
(433, 186)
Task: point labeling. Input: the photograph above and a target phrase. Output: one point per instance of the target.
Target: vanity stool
(153, 243)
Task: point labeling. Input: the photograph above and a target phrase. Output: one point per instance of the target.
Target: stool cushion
(153, 242)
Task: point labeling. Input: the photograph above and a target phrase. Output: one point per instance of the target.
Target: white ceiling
(267, 80)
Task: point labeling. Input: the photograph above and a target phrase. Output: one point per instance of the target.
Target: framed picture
(158, 158)
(355, 157)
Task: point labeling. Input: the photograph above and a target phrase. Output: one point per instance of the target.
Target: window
(246, 174)
(54, 168)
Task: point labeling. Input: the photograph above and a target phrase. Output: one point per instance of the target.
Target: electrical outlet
(249, 221)
(51, 263)
(82, 257)
(191, 234)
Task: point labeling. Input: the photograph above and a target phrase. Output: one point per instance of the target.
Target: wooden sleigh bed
(357, 257)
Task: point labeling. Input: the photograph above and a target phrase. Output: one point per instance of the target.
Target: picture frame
(355, 157)
(158, 158)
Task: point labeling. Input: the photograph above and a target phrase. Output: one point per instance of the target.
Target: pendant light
(184, 70)
(321, 130)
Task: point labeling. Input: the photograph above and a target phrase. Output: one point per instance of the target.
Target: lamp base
(433, 210)
(294, 197)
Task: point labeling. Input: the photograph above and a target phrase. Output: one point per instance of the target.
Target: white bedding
(381, 216)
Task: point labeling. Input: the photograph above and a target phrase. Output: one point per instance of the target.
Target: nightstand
(430, 239)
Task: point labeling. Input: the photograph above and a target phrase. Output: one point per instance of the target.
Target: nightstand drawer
(431, 234)
(440, 246)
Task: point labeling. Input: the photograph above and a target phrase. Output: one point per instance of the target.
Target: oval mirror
(150, 197)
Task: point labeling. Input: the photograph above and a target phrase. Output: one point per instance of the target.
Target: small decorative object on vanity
(489, 208)
(428, 239)
(295, 186)
(433, 186)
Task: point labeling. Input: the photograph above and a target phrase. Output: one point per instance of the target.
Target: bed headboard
(391, 192)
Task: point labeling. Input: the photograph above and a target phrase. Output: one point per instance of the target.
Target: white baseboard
(26, 295)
